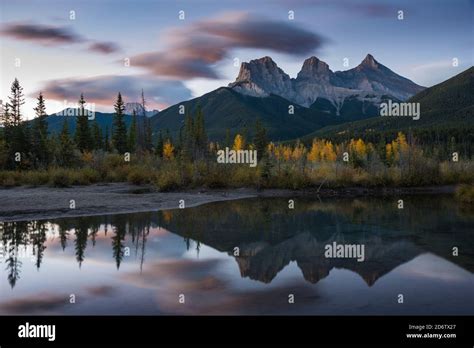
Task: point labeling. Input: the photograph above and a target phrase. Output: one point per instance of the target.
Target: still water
(245, 257)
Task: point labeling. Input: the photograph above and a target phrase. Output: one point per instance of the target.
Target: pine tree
(83, 135)
(227, 138)
(143, 104)
(148, 135)
(159, 145)
(39, 135)
(17, 99)
(18, 142)
(6, 122)
(97, 136)
(260, 139)
(200, 136)
(141, 127)
(106, 140)
(66, 146)
(188, 144)
(132, 134)
(119, 133)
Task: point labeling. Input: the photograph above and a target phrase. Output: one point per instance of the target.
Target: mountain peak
(313, 67)
(370, 62)
(263, 59)
(138, 109)
(266, 61)
(261, 77)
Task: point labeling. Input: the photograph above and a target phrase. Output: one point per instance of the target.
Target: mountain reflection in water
(160, 255)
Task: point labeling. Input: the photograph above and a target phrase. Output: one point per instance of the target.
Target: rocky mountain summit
(370, 80)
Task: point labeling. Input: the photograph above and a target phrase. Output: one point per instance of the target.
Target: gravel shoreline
(32, 203)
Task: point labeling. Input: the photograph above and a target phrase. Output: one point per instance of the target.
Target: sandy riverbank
(30, 203)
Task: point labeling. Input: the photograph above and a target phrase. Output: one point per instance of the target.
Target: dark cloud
(249, 32)
(53, 36)
(43, 34)
(192, 51)
(103, 90)
(163, 64)
(104, 47)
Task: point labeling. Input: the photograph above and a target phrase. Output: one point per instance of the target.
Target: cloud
(192, 52)
(103, 90)
(167, 278)
(54, 36)
(103, 290)
(36, 303)
(365, 8)
(43, 34)
(104, 47)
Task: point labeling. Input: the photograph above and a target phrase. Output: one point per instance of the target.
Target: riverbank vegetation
(30, 155)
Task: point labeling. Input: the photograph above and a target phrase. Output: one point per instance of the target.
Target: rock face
(138, 108)
(374, 77)
(370, 80)
(262, 77)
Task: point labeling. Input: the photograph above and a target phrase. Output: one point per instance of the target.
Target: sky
(106, 46)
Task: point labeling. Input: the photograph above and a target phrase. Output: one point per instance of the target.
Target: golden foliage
(238, 143)
(397, 149)
(87, 157)
(322, 150)
(168, 150)
(298, 152)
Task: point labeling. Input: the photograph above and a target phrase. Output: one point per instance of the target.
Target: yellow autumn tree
(399, 147)
(168, 150)
(389, 153)
(287, 152)
(238, 143)
(313, 154)
(327, 152)
(360, 148)
(402, 144)
(298, 152)
(278, 154)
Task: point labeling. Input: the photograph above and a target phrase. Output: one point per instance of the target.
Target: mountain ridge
(262, 77)
(446, 105)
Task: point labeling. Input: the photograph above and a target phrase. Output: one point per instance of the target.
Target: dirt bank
(30, 203)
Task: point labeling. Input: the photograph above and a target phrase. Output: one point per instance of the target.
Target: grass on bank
(168, 175)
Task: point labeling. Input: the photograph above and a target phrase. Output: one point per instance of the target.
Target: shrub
(85, 176)
(10, 178)
(168, 180)
(465, 193)
(140, 175)
(60, 178)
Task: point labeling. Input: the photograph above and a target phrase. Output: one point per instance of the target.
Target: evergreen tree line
(27, 145)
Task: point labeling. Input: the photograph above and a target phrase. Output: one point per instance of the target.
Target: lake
(250, 256)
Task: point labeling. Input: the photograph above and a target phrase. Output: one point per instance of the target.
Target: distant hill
(227, 109)
(448, 105)
(105, 120)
